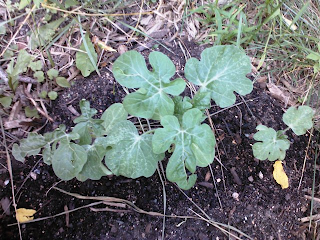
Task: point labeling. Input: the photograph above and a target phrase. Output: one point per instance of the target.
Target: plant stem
(150, 131)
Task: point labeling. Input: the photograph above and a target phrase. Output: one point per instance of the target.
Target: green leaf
(87, 127)
(68, 160)
(299, 119)
(114, 114)
(62, 82)
(130, 154)
(22, 63)
(44, 34)
(43, 94)
(28, 146)
(82, 59)
(83, 129)
(314, 56)
(221, 72)
(201, 100)
(71, 3)
(53, 95)
(272, 145)
(24, 3)
(53, 138)
(3, 29)
(31, 112)
(39, 76)
(36, 66)
(181, 105)
(14, 70)
(8, 54)
(94, 168)
(151, 100)
(193, 146)
(52, 73)
(6, 101)
(38, 2)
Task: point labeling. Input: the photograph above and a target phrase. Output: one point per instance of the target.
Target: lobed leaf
(193, 146)
(221, 72)
(94, 168)
(68, 160)
(130, 154)
(87, 127)
(114, 114)
(299, 119)
(272, 145)
(28, 147)
(151, 100)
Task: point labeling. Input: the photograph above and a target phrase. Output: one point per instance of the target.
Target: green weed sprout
(272, 145)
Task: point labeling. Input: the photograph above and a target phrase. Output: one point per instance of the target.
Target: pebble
(235, 195)
(260, 175)
(250, 178)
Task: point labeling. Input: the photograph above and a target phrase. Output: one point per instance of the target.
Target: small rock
(260, 175)
(33, 175)
(235, 195)
(250, 179)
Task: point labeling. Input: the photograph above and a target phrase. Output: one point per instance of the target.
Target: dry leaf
(5, 204)
(279, 175)
(25, 215)
(293, 27)
(277, 93)
(102, 45)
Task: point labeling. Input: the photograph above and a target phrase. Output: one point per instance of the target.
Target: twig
(305, 160)
(14, 36)
(10, 173)
(37, 107)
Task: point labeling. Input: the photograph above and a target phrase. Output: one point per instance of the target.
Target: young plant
(273, 144)
(113, 145)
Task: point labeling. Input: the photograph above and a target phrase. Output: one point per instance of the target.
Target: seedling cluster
(113, 144)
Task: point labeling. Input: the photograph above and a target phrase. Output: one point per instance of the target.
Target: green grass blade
(300, 13)
(146, 35)
(264, 52)
(65, 29)
(239, 30)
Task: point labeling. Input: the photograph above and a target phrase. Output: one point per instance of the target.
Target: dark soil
(262, 210)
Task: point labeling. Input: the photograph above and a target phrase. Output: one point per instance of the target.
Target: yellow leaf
(102, 45)
(293, 27)
(25, 215)
(279, 175)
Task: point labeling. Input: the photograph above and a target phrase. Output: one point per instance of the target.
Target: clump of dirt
(246, 196)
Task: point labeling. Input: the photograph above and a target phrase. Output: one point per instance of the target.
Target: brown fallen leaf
(277, 93)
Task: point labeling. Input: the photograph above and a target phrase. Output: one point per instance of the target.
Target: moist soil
(246, 196)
